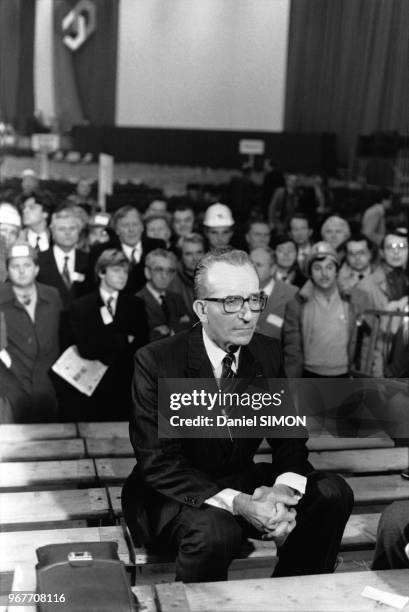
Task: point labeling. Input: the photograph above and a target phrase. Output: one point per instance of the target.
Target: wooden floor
(62, 483)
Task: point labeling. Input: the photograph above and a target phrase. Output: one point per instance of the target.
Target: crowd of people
(282, 264)
(72, 274)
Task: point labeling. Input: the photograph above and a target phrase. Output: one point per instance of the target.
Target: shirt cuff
(293, 480)
(223, 499)
(5, 358)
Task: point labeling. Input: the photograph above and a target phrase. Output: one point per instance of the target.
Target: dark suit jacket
(49, 275)
(171, 472)
(136, 279)
(109, 344)
(270, 325)
(33, 348)
(177, 318)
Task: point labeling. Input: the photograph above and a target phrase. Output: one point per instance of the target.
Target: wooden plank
(38, 431)
(145, 596)
(331, 443)
(379, 489)
(19, 546)
(35, 450)
(109, 447)
(339, 591)
(364, 461)
(116, 429)
(33, 473)
(114, 496)
(34, 507)
(113, 470)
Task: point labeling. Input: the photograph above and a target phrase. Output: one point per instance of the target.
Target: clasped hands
(271, 510)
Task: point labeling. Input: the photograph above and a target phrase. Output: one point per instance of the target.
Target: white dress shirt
(224, 499)
(60, 256)
(41, 240)
(128, 250)
(105, 296)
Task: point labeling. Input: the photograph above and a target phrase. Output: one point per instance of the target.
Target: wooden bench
(322, 593)
(19, 546)
(37, 450)
(379, 489)
(114, 429)
(113, 470)
(16, 475)
(40, 431)
(36, 507)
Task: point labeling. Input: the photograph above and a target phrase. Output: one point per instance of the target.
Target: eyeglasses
(234, 303)
(401, 246)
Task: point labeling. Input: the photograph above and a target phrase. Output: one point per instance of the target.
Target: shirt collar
(156, 294)
(269, 288)
(217, 354)
(61, 255)
(105, 295)
(128, 250)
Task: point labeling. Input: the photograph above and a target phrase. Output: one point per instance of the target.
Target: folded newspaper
(81, 373)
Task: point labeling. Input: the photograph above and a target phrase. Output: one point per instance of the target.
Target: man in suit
(35, 211)
(108, 325)
(166, 311)
(278, 293)
(63, 266)
(31, 314)
(129, 238)
(201, 497)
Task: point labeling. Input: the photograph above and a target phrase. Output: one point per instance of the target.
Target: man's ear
(199, 307)
(147, 273)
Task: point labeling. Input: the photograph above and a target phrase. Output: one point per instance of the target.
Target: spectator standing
(373, 220)
(35, 212)
(10, 223)
(335, 230)
(32, 316)
(278, 293)
(218, 224)
(258, 235)
(286, 268)
(191, 249)
(358, 263)
(300, 231)
(108, 325)
(166, 311)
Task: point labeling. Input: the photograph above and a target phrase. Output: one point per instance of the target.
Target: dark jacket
(114, 344)
(33, 348)
(136, 279)
(171, 472)
(50, 275)
(172, 314)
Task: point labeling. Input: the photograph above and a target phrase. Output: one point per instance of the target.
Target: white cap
(21, 250)
(9, 214)
(100, 220)
(29, 172)
(218, 215)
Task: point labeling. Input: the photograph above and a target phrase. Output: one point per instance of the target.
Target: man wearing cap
(35, 212)
(64, 265)
(32, 315)
(318, 323)
(218, 226)
(99, 231)
(108, 325)
(10, 223)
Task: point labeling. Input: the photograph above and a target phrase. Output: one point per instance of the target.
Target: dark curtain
(17, 18)
(85, 80)
(348, 68)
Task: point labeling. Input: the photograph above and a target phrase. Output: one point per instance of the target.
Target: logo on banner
(79, 24)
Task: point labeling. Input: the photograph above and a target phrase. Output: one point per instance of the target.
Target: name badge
(275, 320)
(77, 277)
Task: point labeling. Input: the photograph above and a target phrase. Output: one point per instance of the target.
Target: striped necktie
(66, 273)
(110, 306)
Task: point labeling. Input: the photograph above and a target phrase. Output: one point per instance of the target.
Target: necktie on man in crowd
(165, 307)
(360, 276)
(26, 299)
(37, 246)
(110, 306)
(66, 273)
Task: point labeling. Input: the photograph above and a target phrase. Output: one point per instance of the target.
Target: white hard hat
(9, 214)
(218, 215)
